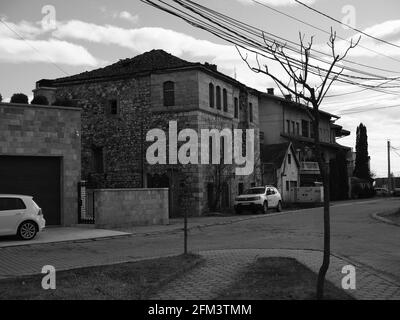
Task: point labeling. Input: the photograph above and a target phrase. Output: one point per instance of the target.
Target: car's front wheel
(279, 207)
(265, 207)
(27, 230)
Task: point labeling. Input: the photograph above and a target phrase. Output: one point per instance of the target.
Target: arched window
(218, 96)
(169, 93)
(211, 94)
(225, 100)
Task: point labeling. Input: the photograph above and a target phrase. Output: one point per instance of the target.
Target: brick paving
(222, 267)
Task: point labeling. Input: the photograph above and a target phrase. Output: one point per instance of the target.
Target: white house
(280, 168)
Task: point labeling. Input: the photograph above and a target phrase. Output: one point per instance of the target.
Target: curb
(377, 216)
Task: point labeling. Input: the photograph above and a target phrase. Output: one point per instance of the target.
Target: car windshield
(255, 191)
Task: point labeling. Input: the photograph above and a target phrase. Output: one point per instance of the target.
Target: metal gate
(86, 208)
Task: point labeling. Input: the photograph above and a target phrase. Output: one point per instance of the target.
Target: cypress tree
(361, 169)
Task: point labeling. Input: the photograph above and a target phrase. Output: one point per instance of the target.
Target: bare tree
(307, 94)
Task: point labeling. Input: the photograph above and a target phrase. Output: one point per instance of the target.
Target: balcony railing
(309, 167)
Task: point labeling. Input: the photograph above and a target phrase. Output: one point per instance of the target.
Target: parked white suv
(259, 198)
(21, 216)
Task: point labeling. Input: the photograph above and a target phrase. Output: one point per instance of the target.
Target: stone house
(282, 120)
(121, 102)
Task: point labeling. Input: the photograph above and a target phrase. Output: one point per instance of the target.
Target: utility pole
(389, 171)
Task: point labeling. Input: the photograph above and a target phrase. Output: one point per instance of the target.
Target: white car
(21, 216)
(259, 198)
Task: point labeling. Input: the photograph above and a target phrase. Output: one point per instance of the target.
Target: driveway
(355, 235)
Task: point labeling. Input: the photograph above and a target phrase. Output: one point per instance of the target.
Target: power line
(34, 48)
(368, 110)
(347, 25)
(341, 38)
(245, 36)
(251, 29)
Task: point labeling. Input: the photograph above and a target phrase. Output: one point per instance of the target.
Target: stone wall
(34, 130)
(120, 136)
(130, 207)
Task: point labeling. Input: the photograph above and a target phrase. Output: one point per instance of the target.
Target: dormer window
(169, 93)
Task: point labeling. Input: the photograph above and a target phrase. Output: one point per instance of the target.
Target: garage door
(35, 176)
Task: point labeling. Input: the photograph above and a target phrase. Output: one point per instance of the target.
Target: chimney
(288, 97)
(211, 66)
(270, 91)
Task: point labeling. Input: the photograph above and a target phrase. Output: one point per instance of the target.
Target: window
(288, 126)
(293, 127)
(97, 160)
(304, 128)
(311, 130)
(297, 128)
(11, 204)
(169, 93)
(287, 186)
(251, 112)
(218, 96)
(289, 158)
(222, 149)
(211, 94)
(261, 136)
(210, 195)
(225, 100)
(210, 150)
(236, 106)
(113, 107)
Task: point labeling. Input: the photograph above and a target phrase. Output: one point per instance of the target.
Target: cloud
(384, 29)
(368, 47)
(125, 15)
(22, 46)
(47, 51)
(277, 3)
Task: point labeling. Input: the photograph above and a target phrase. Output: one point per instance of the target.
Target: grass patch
(279, 279)
(133, 280)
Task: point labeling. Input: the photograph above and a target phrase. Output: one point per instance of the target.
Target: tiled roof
(149, 61)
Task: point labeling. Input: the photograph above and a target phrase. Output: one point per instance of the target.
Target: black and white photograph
(196, 157)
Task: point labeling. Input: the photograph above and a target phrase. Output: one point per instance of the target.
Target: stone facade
(34, 130)
(130, 207)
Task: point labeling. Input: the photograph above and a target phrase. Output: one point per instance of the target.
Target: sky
(51, 39)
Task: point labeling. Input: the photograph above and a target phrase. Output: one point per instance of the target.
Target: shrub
(1, 98)
(19, 98)
(42, 100)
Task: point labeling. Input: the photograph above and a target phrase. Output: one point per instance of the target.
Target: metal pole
(389, 171)
(185, 232)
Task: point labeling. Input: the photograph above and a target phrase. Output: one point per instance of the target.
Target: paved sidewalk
(222, 267)
(62, 234)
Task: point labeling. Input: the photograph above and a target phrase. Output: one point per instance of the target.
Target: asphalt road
(355, 235)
